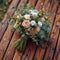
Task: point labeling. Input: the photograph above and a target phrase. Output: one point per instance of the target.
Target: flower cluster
(33, 24)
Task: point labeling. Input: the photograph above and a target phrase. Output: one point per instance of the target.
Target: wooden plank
(10, 51)
(58, 21)
(5, 41)
(45, 6)
(39, 53)
(0, 26)
(40, 4)
(29, 51)
(57, 53)
(32, 2)
(6, 19)
(17, 55)
(11, 48)
(53, 12)
(9, 1)
(54, 37)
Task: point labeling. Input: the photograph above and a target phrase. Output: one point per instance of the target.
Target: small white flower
(33, 23)
(40, 23)
(33, 12)
(26, 23)
(17, 16)
(27, 16)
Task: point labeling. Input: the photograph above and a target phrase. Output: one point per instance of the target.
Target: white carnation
(33, 12)
(40, 23)
(33, 23)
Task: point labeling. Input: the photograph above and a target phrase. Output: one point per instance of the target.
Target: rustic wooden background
(32, 52)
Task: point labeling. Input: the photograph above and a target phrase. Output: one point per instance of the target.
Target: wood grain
(54, 36)
(57, 53)
(6, 19)
(7, 38)
(11, 49)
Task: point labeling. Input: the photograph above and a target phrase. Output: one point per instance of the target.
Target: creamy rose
(27, 16)
(26, 23)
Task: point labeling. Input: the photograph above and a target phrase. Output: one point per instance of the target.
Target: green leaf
(42, 34)
(41, 43)
(13, 29)
(46, 27)
(25, 6)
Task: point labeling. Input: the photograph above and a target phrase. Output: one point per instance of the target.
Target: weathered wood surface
(32, 52)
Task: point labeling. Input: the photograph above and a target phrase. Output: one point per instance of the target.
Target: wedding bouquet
(31, 23)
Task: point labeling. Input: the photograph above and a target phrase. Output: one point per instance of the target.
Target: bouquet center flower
(26, 23)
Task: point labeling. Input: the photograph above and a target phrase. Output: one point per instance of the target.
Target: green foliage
(3, 7)
(46, 27)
